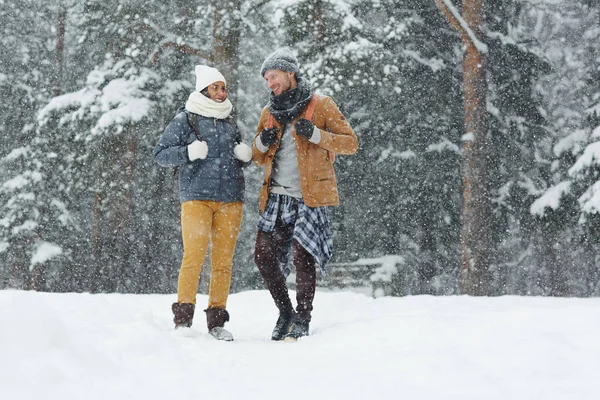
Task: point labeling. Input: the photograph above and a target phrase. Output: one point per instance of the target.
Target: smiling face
(280, 81)
(217, 91)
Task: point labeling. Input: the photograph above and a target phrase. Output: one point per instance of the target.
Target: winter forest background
(88, 86)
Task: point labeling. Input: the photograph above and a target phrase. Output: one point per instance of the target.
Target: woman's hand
(197, 150)
(242, 152)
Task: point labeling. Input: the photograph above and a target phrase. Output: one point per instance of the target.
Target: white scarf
(200, 104)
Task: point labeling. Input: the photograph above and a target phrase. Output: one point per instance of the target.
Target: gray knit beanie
(282, 59)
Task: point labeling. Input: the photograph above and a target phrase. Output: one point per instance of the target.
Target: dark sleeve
(171, 150)
(238, 134)
(244, 164)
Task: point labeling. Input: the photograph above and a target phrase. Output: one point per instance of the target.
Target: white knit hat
(206, 75)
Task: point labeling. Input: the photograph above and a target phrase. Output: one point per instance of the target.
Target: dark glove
(304, 127)
(268, 136)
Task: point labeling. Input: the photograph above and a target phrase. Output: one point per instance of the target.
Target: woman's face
(217, 91)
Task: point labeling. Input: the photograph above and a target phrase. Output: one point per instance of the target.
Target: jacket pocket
(323, 187)
(323, 175)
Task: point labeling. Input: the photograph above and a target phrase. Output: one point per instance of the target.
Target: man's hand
(305, 128)
(197, 150)
(268, 136)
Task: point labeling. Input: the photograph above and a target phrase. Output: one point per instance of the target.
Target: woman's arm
(171, 150)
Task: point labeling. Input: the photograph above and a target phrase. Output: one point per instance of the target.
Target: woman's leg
(196, 224)
(225, 229)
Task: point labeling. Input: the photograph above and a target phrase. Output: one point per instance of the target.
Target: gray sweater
(285, 177)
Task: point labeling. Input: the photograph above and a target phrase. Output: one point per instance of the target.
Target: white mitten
(242, 152)
(197, 150)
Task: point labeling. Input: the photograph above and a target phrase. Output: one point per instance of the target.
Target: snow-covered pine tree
(564, 254)
(27, 80)
(517, 132)
(584, 174)
(128, 67)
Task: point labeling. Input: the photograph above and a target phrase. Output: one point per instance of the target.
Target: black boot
(183, 314)
(282, 326)
(298, 329)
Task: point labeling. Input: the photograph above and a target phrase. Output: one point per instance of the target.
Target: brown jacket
(315, 161)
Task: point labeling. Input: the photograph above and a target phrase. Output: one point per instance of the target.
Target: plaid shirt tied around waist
(312, 228)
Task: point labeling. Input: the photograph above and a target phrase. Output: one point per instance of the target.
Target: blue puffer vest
(219, 176)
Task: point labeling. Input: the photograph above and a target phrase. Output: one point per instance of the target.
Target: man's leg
(306, 281)
(268, 247)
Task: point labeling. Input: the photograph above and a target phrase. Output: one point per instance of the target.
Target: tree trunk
(19, 275)
(91, 281)
(122, 245)
(475, 276)
(226, 36)
(37, 278)
(319, 22)
(61, 23)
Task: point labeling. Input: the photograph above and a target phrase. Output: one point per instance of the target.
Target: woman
(205, 144)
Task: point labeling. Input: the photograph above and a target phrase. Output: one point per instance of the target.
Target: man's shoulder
(265, 111)
(264, 115)
(325, 103)
(323, 98)
(320, 96)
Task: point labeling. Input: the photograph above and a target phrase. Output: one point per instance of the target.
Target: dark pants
(269, 246)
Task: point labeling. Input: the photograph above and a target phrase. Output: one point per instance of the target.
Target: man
(297, 138)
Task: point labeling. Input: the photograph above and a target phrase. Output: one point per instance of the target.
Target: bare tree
(476, 209)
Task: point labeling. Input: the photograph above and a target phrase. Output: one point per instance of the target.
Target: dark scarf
(289, 105)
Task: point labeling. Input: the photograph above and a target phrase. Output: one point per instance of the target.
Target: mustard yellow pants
(201, 222)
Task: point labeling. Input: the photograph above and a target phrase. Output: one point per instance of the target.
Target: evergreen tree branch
(182, 48)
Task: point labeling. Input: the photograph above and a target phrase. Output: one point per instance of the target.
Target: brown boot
(183, 314)
(215, 320)
(216, 317)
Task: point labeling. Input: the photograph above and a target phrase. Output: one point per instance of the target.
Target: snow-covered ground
(81, 346)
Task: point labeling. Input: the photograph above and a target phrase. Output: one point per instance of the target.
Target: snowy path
(81, 346)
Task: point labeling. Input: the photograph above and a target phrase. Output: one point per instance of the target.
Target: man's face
(280, 81)
(217, 91)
